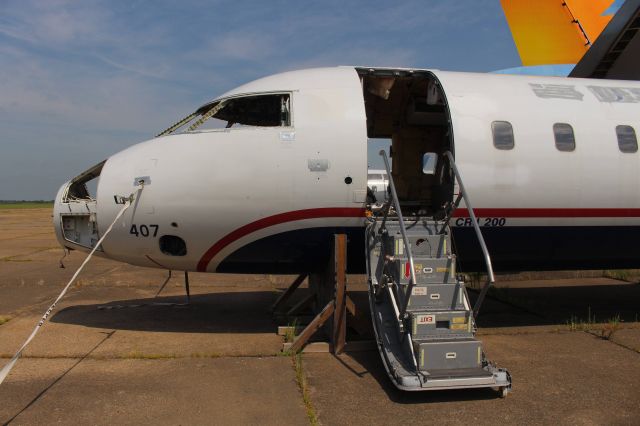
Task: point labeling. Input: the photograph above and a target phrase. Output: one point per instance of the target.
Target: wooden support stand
(334, 311)
(339, 335)
(288, 292)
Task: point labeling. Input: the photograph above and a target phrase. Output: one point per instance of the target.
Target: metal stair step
(448, 354)
(458, 373)
(436, 271)
(441, 324)
(437, 297)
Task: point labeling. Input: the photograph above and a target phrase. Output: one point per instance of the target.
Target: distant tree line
(26, 201)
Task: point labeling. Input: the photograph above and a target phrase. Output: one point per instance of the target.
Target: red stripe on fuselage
(462, 212)
(276, 220)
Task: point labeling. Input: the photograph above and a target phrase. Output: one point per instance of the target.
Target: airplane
(259, 179)
(549, 161)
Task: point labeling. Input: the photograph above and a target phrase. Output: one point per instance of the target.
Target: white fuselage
(266, 199)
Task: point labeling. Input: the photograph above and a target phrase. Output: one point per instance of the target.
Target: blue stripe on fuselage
(512, 248)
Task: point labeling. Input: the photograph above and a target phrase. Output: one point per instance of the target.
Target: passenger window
(502, 134)
(563, 134)
(627, 141)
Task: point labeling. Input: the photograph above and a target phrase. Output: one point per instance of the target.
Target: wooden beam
(306, 301)
(288, 292)
(351, 307)
(339, 335)
(330, 288)
(313, 326)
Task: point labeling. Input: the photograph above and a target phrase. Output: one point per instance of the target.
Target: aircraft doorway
(409, 109)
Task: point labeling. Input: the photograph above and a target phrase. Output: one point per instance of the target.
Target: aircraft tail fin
(555, 31)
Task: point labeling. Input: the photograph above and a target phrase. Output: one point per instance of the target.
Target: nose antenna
(140, 182)
(65, 254)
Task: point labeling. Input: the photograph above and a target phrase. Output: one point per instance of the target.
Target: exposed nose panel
(57, 214)
(74, 211)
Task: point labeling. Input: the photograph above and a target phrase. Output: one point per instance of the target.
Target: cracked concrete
(112, 353)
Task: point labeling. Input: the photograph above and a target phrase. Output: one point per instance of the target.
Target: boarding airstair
(423, 321)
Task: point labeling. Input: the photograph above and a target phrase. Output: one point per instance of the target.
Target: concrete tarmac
(113, 353)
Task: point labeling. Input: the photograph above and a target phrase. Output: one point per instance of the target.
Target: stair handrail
(476, 227)
(450, 209)
(405, 240)
(394, 304)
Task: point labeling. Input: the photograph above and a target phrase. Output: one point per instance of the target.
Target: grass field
(26, 205)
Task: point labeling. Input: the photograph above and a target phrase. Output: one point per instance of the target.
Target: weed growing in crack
(610, 328)
(142, 355)
(577, 324)
(604, 330)
(301, 379)
(617, 274)
(290, 334)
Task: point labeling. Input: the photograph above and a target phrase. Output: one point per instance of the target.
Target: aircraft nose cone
(58, 206)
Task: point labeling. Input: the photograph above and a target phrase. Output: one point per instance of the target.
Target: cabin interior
(409, 108)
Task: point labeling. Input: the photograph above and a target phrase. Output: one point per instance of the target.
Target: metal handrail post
(403, 231)
(483, 246)
(447, 219)
(387, 208)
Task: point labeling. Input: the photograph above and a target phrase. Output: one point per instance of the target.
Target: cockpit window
(273, 110)
(84, 186)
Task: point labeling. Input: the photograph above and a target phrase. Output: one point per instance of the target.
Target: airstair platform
(424, 324)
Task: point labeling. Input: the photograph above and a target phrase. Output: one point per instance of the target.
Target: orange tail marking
(545, 33)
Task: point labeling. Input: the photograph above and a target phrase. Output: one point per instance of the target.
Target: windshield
(271, 110)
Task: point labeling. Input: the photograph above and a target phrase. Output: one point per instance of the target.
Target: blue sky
(81, 80)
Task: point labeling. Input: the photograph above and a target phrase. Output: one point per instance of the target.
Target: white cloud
(53, 22)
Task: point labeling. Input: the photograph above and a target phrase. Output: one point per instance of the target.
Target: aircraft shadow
(249, 311)
(535, 306)
(528, 306)
(232, 312)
